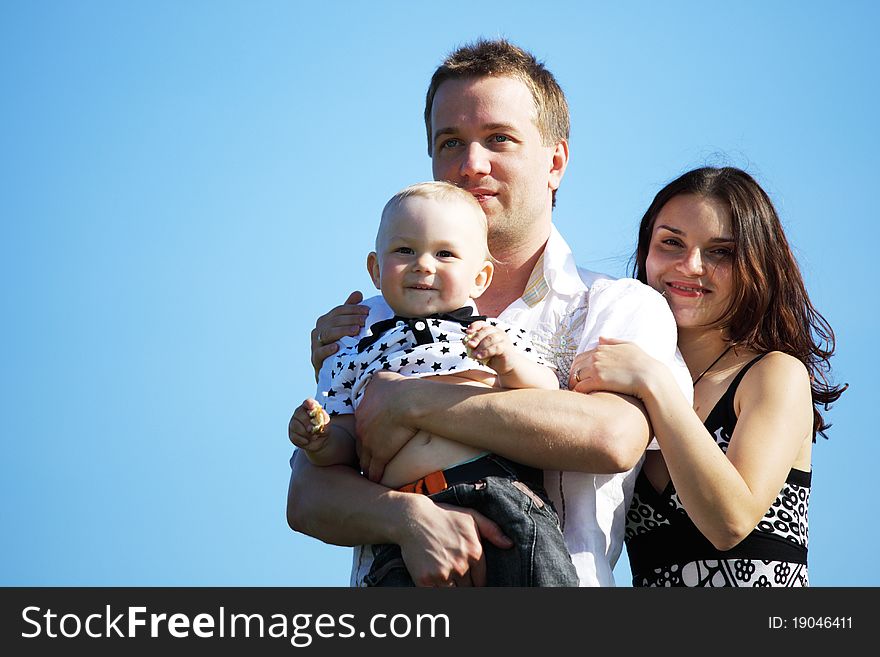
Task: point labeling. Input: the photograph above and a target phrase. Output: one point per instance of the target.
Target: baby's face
(431, 256)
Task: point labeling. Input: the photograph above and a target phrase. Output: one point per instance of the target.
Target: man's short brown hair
(500, 58)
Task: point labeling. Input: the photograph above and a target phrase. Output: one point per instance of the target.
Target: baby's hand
(309, 426)
(490, 345)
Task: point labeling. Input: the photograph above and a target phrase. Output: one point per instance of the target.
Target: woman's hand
(613, 366)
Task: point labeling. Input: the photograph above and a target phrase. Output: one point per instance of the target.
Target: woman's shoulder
(777, 364)
(774, 396)
(773, 374)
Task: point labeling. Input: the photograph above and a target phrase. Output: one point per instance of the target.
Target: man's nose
(475, 161)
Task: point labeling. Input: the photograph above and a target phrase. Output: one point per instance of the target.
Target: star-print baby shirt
(419, 347)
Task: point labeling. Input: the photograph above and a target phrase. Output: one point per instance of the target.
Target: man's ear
(483, 279)
(373, 268)
(558, 164)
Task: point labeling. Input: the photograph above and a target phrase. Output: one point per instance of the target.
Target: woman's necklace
(714, 362)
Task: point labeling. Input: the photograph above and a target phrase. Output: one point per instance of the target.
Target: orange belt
(427, 485)
(471, 471)
(489, 465)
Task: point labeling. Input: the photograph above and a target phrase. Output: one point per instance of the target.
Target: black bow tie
(464, 316)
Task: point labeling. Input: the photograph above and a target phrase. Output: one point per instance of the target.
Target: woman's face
(690, 258)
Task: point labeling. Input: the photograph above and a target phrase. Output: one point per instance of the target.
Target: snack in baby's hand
(319, 418)
(470, 351)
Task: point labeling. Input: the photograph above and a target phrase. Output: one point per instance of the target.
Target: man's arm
(601, 432)
(549, 429)
(337, 505)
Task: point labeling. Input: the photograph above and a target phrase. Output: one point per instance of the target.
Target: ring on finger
(320, 339)
(577, 375)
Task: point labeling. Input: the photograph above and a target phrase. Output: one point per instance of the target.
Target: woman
(758, 351)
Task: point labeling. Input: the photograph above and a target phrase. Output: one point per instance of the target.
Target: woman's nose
(692, 262)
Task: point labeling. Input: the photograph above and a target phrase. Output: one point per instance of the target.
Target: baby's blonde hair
(441, 190)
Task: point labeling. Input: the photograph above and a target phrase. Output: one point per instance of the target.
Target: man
(497, 125)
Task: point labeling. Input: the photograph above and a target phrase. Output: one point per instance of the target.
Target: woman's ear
(483, 279)
(373, 268)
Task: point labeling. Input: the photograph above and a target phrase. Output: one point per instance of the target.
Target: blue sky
(188, 185)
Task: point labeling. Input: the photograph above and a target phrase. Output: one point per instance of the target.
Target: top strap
(739, 376)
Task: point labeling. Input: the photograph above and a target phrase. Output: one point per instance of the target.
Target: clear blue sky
(187, 185)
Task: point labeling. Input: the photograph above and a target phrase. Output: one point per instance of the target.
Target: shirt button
(420, 326)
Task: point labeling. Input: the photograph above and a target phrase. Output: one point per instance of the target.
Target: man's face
(485, 140)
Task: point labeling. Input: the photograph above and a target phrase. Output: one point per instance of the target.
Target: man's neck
(510, 279)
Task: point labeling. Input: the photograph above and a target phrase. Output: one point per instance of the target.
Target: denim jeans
(538, 556)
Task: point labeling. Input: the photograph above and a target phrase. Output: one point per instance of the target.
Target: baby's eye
(445, 254)
(405, 250)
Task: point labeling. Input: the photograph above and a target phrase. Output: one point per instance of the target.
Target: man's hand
(347, 319)
(381, 433)
(443, 548)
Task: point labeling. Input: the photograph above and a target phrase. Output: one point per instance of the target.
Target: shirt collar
(555, 270)
(464, 316)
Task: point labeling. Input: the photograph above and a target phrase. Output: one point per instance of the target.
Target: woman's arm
(725, 495)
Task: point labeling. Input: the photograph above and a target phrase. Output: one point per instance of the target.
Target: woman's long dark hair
(769, 309)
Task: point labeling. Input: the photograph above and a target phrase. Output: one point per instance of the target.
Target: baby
(431, 261)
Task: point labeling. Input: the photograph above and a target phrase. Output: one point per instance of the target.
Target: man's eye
(450, 143)
(499, 139)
